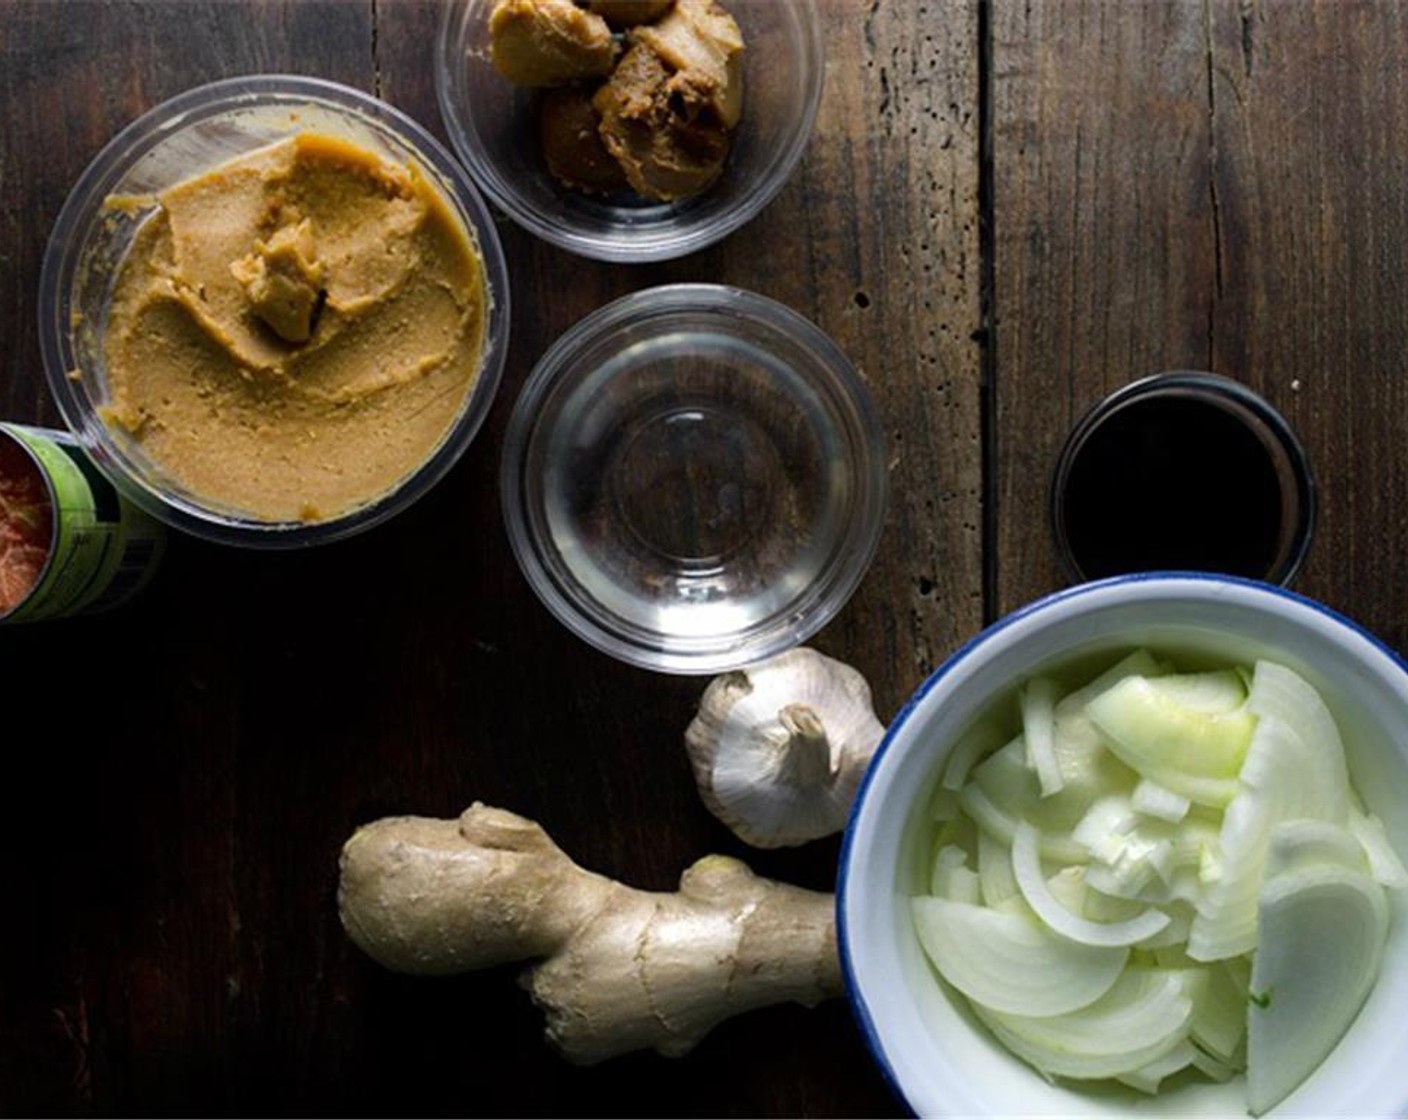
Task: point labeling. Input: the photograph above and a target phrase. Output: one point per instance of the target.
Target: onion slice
(1384, 863)
(1148, 1077)
(1039, 731)
(1026, 865)
(1153, 800)
(980, 740)
(1294, 770)
(1322, 939)
(1281, 694)
(1305, 843)
(995, 869)
(1000, 824)
(1144, 1015)
(1006, 961)
(1181, 746)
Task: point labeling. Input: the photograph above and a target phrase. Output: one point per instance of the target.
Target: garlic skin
(779, 748)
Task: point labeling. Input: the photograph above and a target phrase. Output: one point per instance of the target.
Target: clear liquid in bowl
(689, 487)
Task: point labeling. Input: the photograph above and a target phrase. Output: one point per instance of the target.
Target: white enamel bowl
(937, 1057)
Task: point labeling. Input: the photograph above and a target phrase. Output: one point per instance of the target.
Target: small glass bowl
(492, 125)
(694, 478)
(185, 136)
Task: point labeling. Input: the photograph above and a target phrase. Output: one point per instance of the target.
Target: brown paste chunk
(662, 132)
(568, 129)
(628, 13)
(283, 280)
(665, 114)
(548, 42)
(702, 46)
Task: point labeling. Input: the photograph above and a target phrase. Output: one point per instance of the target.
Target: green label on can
(103, 548)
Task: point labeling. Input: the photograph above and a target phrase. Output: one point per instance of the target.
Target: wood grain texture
(889, 213)
(1207, 186)
(206, 751)
(1310, 104)
(1105, 250)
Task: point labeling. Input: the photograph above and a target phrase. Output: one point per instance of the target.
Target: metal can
(69, 542)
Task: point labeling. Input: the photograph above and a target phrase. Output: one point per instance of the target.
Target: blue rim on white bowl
(929, 1047)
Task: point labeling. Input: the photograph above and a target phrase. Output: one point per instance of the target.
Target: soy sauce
(1181, 480)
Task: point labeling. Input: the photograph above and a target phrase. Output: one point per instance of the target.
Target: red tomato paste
(26, 524)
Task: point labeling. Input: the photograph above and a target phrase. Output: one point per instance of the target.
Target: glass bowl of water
(694, 478)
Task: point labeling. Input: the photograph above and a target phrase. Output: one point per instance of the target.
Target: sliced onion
(1175, 934)
(980, 739)
(1140, 663)
(1039, 731)
(1148, 1077)
(943, 806)
(1199, 819)
(1013, 787)
(1285, 777)
(947, 859)
(1109, 818)
(1308, 843)
(952, 878)
(1067, 887)
(1285, 769)
(1103, 907)
(1007, 779)
(1026, 865)
(1226, 922)
(1384, 863)
(1194, 753)
(1323, 933)
(1219, 1022)
(1007, 961)
(1283, 694)
(995, 869)
(1154, 800)
(1002, 825)
(1215, 1068)
(1142, 1017)
(1216, 692)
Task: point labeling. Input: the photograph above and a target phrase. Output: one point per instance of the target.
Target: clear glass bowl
(492, 126)
(189, 134)
(694, 478)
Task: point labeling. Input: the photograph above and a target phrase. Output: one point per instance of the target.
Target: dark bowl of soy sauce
(1183, 471)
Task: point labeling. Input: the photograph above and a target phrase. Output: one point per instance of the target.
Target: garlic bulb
(779, 748)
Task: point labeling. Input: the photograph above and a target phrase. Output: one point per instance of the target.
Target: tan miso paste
(294, 332)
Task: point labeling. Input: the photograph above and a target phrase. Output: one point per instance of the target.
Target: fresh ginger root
(618, 969)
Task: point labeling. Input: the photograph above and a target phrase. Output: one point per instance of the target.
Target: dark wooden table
(1008, 209)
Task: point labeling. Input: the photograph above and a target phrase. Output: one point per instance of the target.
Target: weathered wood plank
(1105, 253)
(1310, 106)
(888, 214)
